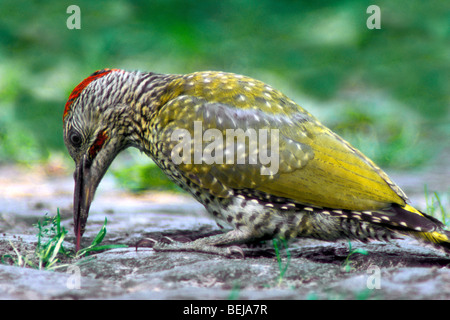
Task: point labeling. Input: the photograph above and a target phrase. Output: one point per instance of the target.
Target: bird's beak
(85, 184)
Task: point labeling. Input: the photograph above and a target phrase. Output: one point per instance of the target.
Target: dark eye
(75, 138)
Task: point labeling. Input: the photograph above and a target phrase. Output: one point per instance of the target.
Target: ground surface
(401, 270)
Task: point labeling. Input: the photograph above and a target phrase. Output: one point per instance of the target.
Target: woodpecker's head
(93, 120)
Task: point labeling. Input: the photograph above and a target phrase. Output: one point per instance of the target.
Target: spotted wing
(314, 165)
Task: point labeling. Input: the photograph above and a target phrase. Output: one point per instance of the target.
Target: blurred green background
(386, 91)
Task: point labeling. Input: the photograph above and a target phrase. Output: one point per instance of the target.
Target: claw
(235, 249)
(168, 239)
(166, 243)
(146, 241)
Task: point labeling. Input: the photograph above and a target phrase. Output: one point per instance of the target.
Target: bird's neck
(146, 94)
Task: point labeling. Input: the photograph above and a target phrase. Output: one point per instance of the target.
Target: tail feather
(433, 233)
(398, 219)
(410, 218)
(439, 239)
(403, 220)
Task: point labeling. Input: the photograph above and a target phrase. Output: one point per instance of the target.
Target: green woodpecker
(255, 159)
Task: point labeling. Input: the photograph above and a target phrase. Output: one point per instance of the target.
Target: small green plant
(235, 291)
(347, 265)
(47, 251)
(95, 245)
(433, 202)
(283, 268)
(363, 294)
(19, 260)
(50, 246)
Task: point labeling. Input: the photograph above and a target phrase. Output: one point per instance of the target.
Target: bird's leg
(220, 244)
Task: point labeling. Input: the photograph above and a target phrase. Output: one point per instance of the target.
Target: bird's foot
(200, 245)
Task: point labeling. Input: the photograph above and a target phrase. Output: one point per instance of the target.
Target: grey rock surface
(314, 270)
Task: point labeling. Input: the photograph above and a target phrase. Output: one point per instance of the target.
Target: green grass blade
(106, 247)
(56, 248)
(441, 207)
(100, 235)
